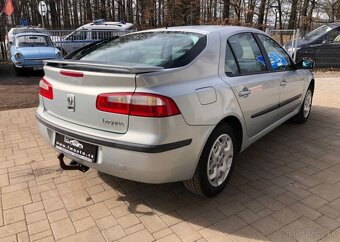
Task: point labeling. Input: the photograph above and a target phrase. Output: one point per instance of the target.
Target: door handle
(244, 93)
(283, 83)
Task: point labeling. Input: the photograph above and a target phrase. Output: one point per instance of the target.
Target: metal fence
(66, 40)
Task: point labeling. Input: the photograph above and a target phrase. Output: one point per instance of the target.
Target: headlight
(18, 56)
(58, 54)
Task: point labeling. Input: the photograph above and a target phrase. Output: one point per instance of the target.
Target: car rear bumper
(168, 161)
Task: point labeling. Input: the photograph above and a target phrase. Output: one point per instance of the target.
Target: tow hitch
(73, 165)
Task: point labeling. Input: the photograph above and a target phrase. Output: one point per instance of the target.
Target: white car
(90, 33)
(9, 38)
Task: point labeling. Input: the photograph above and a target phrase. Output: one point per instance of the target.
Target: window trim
(268, 68)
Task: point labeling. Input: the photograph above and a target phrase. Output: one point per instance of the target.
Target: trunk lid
(82, 92)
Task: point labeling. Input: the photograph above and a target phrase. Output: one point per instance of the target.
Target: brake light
(137, 104)
(45, 89)
(72, 73)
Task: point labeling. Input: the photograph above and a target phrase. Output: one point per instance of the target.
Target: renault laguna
(171, 104)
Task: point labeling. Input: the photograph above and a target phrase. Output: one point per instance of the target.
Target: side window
(247, 53)
(279, 59)
(230, 66)
(332, 36)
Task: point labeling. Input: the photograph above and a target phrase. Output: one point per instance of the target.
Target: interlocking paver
(14, 215)
(290, 193)
(62, 228)
(15, 199)
(305, 230)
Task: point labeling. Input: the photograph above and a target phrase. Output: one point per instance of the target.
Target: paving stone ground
(285, 187)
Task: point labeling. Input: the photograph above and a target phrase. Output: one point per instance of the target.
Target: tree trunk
(88, 11)
(261, 14)
(293, 15)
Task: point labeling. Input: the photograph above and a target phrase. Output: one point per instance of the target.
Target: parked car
(90, 33)
(9, 38)
(177, 105)
(30, 50)
(322, 45)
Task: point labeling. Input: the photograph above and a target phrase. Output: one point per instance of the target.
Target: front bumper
(149, 163)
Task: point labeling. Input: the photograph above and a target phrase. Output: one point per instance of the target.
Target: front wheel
(19, 71)
(215, 164)
(306, 107)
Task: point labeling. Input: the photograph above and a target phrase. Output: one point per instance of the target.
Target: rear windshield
(164, 49)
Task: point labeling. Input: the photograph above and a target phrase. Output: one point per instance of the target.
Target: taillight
(72, 73)
(45, 89)
(137, 104)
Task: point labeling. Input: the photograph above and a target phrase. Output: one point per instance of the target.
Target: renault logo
(70, 102)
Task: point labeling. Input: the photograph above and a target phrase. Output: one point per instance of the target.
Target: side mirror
(305, 64)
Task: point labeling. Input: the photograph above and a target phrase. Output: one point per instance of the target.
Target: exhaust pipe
(73, 165)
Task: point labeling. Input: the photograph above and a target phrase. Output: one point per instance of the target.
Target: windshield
(33, 41)
(77, 35)
(316, 33)
(165, 49)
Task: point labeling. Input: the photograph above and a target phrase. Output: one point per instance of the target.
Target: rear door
(256, 89)
(75, 94)
(291, 82)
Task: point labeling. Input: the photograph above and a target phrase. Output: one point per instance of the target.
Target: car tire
(19, 71)
(306, 107)
(203, 182)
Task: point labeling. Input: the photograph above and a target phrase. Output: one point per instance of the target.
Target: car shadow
(269, 178)
(8, 76)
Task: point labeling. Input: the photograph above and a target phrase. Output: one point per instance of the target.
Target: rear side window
(247, 53)
(279, 59)
(165, 49)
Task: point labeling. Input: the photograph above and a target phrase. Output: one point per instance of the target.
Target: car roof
(206, 29)
(106, 25)
(31, 33)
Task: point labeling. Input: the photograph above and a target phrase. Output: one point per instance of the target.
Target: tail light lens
(45, 89)
(137, 104)
(72, 73)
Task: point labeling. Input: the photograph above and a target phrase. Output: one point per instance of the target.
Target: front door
(291, 81)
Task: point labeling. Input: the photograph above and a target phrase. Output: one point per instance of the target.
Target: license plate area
(75, 147)
(37, 68)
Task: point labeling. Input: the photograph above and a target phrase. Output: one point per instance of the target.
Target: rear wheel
(306, 107)
(215, 164)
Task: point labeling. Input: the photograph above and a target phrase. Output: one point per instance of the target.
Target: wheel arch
(235, 123)
(312, 85)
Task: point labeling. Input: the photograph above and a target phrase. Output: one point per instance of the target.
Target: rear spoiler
(86, 66)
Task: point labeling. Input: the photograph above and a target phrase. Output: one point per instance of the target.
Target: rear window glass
(165, 49)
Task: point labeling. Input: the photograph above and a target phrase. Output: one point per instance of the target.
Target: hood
(38, 52)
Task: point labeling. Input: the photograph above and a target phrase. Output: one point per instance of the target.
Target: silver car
(171, 104)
